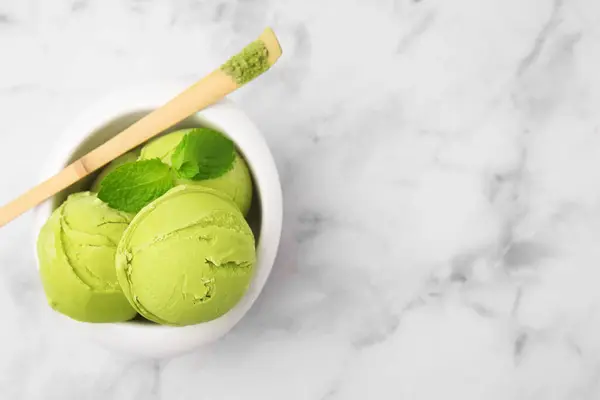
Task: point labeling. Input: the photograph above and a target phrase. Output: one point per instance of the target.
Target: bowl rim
(236, 124)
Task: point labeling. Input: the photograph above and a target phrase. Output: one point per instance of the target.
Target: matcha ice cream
(117, 162)
(186, 258)
(76, 252)
(236, 183)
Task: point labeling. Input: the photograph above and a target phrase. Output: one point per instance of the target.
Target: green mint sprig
(203, 154)
(132, 186)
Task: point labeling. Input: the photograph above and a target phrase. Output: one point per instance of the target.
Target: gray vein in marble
(525, 253)
(139, 6)
(462, 265)
(413, 35)
(19, 88)
(311, 223)
(542, 37)
(220, 11)
(519, 346)
(517, 302)
(333, 390)
(79, 5)
(5, 19)
(483, 311)
(157, 368)
(575, 347)
(377, 336)
(330, 395)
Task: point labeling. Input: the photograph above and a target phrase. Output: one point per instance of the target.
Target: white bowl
(108, 118)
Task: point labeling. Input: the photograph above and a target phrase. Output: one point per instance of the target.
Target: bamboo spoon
(202, 94)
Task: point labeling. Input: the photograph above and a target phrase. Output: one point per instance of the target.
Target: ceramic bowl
(105, 120)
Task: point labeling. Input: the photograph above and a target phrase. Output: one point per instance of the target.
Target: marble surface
(441, 167)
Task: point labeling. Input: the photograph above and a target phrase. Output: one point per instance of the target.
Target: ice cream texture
(236, 183)
(76, 251)
(186, 258)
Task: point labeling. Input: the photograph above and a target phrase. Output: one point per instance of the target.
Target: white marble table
(441, 168)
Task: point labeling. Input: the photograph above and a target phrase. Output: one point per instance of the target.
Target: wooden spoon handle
(40, 193)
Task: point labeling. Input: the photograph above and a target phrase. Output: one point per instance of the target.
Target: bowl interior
(116, 125)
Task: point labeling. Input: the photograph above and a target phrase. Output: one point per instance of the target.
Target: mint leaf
(132, 186)
(203, 154)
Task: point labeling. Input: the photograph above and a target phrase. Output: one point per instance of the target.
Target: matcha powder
(248, 64)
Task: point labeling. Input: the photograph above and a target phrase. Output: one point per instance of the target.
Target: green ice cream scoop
(236, 183)
(76, 251)
(188, 257)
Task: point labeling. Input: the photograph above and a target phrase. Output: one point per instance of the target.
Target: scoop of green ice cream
(117, 162)
(76, 251)
(186, 258)
(236, 183)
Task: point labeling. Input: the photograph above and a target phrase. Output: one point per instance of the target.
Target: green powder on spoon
(248, 64)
